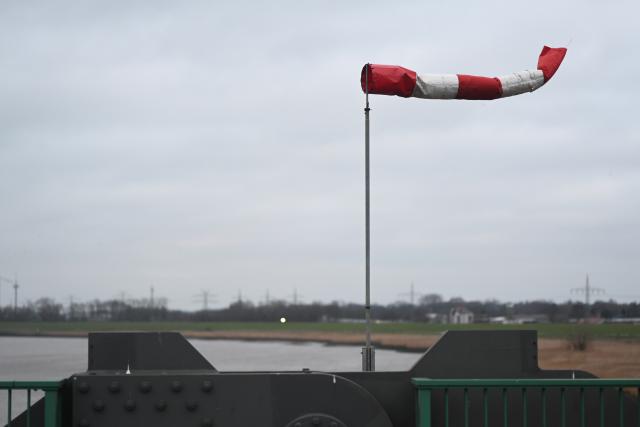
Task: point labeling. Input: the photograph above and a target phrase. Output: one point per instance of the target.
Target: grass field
(604, 331)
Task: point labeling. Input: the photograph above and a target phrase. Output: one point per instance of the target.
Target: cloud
(206, 146)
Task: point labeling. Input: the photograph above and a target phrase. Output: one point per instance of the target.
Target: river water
(29, 358)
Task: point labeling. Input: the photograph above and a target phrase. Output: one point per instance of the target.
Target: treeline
(431, 308)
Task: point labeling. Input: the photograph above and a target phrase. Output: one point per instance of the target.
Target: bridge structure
(467, 378)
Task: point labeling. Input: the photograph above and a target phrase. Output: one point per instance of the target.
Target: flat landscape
(545, 330)
(612, 350)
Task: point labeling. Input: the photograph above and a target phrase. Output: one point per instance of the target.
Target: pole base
(368, 359)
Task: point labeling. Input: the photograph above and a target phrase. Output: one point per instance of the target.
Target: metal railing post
(9, 407)
(51, 389)
(51, 413)
(568, 390)
(28, 407)
(423, 417)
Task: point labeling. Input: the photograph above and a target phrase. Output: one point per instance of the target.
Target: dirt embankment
(606, 359)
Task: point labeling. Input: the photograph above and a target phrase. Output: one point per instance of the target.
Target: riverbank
(392, 341)
(545, 330)
(604, 357)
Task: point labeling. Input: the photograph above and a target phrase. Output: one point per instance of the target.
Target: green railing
(51, 399)
(622, 389)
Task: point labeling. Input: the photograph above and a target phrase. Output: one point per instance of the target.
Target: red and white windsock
(400, 81)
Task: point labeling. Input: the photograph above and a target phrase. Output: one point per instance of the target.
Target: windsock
(400, 81)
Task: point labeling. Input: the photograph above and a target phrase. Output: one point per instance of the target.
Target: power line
(9, 281)
(15, 297)
(588, 290)
(412, 294)
(70, 311)
(295, 297)
(205, 297)
(122, 296)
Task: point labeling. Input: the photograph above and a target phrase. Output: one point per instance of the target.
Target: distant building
(460, 316)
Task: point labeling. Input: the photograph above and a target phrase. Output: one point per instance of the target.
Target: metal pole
(15, 298)
(368, 353)
(587, 291)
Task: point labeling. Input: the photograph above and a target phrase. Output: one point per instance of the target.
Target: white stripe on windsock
(436, 86)
(521, 82)
(395, 80)
(445, 86)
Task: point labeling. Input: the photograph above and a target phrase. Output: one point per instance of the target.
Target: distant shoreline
(404, 336)
(413, 343)
(342, 329)
(606, 356)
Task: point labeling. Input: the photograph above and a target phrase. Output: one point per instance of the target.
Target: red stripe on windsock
(400, 81)
(475, 87)
(388, 80)
(550, 59)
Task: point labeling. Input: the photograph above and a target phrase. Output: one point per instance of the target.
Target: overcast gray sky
(198, 145)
